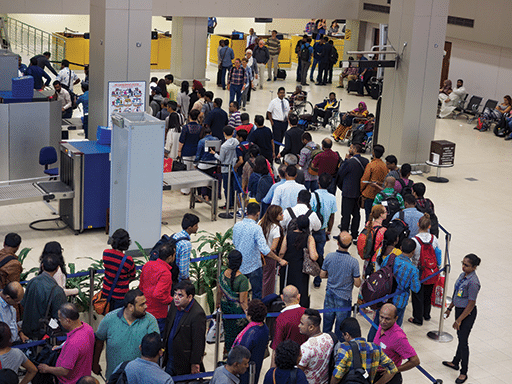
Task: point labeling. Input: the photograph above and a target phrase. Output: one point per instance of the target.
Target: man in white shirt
(287, 193)
(63, 96)
(277, 114)
(317, 350)
(302, 208)
(449, 103)
(66, 76)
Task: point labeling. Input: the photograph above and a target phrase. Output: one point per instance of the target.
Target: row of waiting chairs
(471, 110)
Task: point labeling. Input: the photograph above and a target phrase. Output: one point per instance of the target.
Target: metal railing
(31, 41)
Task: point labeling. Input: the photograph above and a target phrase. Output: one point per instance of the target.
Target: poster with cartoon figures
(125, 96)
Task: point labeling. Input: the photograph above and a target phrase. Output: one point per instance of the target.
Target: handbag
(178, 165)
(309, 266)
(101, 303)
(47, 356)
(44, 323)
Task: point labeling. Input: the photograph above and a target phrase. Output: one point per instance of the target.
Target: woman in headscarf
(232, 292)
(347, 119)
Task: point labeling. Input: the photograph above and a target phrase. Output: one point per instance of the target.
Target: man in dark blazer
(349, 180)
(184, 334)
(293, 137)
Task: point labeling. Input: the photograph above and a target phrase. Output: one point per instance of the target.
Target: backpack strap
(309, 213)
(114, 283)
(401, 182)
(292, 214)
(356, 355)
(293, 376)
(401, 215)
(6, 260)
(319, 205)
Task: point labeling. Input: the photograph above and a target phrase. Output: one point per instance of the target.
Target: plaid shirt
(407, 277)
(371, 358)
(183, 249)
(237, 76)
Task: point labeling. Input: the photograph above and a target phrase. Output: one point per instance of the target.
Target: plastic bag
(437, 292)
(212, 328)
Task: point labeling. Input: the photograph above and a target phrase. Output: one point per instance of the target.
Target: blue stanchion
(278, 143)
(192, 377)
(275, 314)
(29, 345)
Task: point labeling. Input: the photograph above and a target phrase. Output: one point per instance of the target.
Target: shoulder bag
(101, 303)
(309, 266)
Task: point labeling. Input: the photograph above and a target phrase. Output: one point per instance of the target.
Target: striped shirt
(273, 46)
(112, 262)
(183, 249)
(407, 277)
(371, 358)
(235, 119)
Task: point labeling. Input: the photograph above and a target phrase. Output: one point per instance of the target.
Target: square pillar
(120, 50)
(188, 48)
(409, 98)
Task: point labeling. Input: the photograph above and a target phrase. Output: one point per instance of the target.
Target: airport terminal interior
(473, 206)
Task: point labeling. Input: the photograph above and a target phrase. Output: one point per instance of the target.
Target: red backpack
(428, 261)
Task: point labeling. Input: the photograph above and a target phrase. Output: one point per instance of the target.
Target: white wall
(368, 43)
(485, 69)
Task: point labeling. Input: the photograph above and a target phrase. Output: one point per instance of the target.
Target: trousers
(462, 354)
(350, 209)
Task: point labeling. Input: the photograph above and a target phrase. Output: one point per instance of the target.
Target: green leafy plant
(204, 273)
(24, 276)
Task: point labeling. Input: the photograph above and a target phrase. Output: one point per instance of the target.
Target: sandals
(449, 364)
(411, 320)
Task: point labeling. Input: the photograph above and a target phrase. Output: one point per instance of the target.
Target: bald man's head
(344, 240)
(290, 295)
(387, 316)
(389, 182)
(14, 292)
(88, 380)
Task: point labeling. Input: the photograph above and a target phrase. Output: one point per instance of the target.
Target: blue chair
(47, 156)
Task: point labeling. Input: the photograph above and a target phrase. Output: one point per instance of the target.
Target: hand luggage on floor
(281, 74)
(355, 86)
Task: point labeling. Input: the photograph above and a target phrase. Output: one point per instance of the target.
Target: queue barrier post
(91, 293)
(439, 335)
(252, 372)
(227, 215)
(218, 316)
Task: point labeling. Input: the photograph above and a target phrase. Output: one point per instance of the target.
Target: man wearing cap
(10, 267)
(342, 272)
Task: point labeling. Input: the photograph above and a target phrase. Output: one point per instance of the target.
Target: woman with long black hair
(292, 250)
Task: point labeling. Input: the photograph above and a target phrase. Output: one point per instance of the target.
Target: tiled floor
(475, 212)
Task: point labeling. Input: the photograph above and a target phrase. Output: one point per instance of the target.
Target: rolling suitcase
(281, 74)
(375, 90)
(356, 86)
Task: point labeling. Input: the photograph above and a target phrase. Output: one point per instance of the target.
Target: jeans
(373, 331)
(350, 208)
(304, 72)
(333, 301)
(231, 189)
(161, 325)
(223, 76)
(311, 185)
(315, 62)
(299, 69)
(256, 279)
(368, 204)
(462, 354)
(279, 128)
(235, 90)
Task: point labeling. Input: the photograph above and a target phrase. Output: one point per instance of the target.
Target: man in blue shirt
(305, 53)
(217, 119)
(37, 73)
(324, 203)
(84, 100)
(227, 55)
(411, 215)
(342, 273)
(317, 54)
(146, 368)
(263, 137)
(249, 240)
(190, 225)
(212, 23)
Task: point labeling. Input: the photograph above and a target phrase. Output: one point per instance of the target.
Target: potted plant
(204, 273)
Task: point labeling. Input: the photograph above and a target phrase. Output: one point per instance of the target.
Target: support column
(120, 50)
(188, 48)
(409, 98)
(352, 28)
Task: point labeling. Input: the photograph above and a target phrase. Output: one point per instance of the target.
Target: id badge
(459, 293)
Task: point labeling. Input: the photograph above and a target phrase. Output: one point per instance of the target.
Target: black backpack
(434, 222)
(333, 57)
(292, 225)
(406, 188)
(357, 375)
(332, 358)
(401, 227)
(119, 376)
(304, 53)
(155, 251)
(392, 206)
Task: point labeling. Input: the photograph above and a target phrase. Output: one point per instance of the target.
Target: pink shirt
(394, 344)
(76, 354)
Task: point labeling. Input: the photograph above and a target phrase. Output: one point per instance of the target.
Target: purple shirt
(394, 343)
(76, 354)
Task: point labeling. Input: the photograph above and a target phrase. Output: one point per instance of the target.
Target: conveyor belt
(30, 192)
